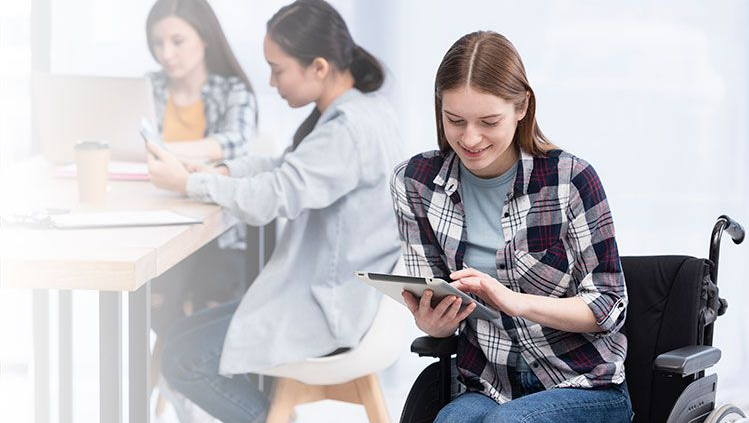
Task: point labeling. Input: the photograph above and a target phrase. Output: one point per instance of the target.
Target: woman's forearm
(565, 314)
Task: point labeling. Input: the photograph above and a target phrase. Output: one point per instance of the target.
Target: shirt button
(502, 267)
(534, 365)
(507, 214)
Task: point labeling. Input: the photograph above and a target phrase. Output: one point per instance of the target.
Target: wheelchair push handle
(732, 228)
(736, 232)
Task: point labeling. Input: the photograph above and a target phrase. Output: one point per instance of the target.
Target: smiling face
(298, 85)
(177, 46)
(480, 128)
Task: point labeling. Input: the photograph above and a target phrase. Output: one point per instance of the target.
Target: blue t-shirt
(483, 200)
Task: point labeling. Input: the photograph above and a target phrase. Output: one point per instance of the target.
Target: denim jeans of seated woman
(190, 360)
(537, 405)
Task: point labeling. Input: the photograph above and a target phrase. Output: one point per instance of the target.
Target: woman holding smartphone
(206, 111)
(332, 186)
(206, 108)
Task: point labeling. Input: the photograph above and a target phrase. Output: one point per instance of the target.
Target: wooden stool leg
(156, 374)
(155, 364)
(160, 405)
(371, 396)
(286, 395)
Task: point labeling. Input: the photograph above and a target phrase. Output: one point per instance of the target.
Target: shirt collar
(159, 83)
(210, 82)
(523, 175)
(331, 110)
(449, 180)
(447, 177)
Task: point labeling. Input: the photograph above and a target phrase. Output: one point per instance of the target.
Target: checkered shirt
(229, 110)
(560, 243)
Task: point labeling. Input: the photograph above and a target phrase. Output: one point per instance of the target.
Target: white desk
(110, 261)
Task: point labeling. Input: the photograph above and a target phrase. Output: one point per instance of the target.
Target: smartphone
(148, 133)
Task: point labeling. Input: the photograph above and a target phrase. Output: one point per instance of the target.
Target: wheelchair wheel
(725, 414)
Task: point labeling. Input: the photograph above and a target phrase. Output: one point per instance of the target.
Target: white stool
(351, 376)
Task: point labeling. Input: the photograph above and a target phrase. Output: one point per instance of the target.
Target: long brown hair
(308, 29)
(490, 63)
(219, 58)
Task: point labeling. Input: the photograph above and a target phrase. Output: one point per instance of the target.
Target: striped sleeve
(420, 257)
(238, 121)
(597, 270)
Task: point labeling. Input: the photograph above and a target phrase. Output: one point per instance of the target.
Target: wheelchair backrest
(666, 299)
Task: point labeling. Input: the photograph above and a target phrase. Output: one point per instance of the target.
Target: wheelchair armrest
(435, 347)
(687, 360)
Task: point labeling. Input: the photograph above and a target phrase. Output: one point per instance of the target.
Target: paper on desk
(121, 219)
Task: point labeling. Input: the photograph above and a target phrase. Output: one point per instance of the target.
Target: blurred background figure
(206, 111)
(332, 186)
(205, 104)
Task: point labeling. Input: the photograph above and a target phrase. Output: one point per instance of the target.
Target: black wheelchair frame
(665, 367)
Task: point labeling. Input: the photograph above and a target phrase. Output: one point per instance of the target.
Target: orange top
(183, 123)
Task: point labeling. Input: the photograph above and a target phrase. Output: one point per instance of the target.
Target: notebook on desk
(121, 219)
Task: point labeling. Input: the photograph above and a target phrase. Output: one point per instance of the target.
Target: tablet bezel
(394, 285)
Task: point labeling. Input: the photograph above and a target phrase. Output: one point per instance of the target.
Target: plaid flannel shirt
(560, 243)
(229, 110)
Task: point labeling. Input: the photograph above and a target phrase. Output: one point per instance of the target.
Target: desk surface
(120, 259)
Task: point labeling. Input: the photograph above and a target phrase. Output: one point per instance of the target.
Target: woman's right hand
(198, 166)
(441, 321)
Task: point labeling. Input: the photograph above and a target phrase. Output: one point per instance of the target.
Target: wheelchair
(673, 305)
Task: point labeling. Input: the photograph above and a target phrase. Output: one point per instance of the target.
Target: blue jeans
(189, 362)
(537, 405)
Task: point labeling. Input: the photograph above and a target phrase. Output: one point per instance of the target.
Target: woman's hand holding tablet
(394, 285)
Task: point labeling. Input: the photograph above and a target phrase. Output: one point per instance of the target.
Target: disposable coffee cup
(92, 163)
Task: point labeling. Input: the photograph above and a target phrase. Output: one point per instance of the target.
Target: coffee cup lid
(91, 145)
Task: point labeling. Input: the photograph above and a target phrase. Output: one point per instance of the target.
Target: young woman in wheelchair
(525, 228)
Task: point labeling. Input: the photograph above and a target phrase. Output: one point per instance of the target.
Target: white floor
(16, 373)
(396, 382)
(16, 399)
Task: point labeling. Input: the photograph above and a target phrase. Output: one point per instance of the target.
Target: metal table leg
(41, 355)
(110, 357)
(258, 253)
(139, 315)
(65, 327)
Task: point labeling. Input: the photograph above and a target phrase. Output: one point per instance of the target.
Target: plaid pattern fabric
(560, 243)
(229, 111)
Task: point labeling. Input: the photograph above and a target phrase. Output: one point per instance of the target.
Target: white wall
(15, 65)
(654, 95)
(107, 37)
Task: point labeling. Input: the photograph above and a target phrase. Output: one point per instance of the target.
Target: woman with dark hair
(206, 111)
(524, 227)
(205, 104)
(331, 185)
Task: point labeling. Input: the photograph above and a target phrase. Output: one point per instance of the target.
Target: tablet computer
(394, 285)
